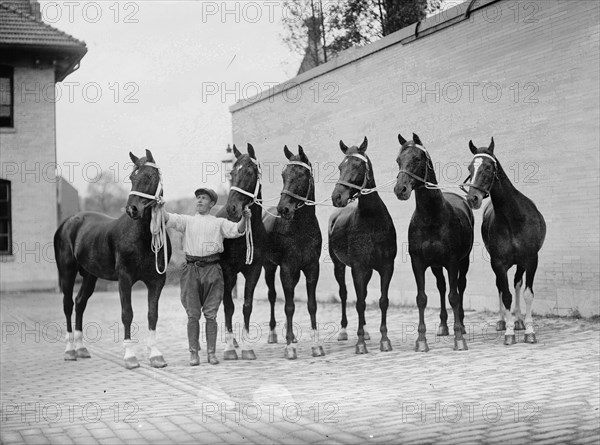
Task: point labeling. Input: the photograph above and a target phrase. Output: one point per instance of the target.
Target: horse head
(298, 183)
(483, 171)
(245, 183)
(414, 163)
(146, 185)
(355, 173)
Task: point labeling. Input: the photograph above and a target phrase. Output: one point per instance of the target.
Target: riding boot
(211, 341)
(193, 330)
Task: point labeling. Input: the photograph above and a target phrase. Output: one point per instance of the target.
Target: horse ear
(343, 147)
(236, 152)
(401, 139)
(251, 151)
(472, 147)
(417, 139)
(134, 158)
(363, 146)
(301, 153)
(288, 153)
(149, 157)
(491, 147)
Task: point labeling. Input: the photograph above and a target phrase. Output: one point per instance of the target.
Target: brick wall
(28, 156)
(524, 72)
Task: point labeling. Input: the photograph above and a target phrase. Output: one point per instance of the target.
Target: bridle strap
(310, 184)
(157, 197)
(256, 189)
(485, 192)
(418, 178)
(366, 178)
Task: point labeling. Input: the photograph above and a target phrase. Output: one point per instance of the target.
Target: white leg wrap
(500, 306)
(510, 323)
(129, 346)
(518, 299)
(243, 343)
(528, 297)
(78, 339)
(70, 338)
(229, 341)
(151, 343)
(343, 331)
(315, 337)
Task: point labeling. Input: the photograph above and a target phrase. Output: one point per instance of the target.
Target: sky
(161, 75)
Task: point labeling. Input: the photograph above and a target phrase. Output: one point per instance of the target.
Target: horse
(98, 246)
(440, 235)
(294, 244)
(361, 237)
(513, 232)
(243, 254)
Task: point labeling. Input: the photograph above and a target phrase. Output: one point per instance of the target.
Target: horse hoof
(294, 340)
(509, 340)
(83, 353)
(248, 355)
(361, 348)
(272, 337)
(131, 363)
(443, 330)
(460, 345)
(343, 336)
(70, 356)
(290, 353)
(421, 346)
(366, 336)
(317, 351)
(501, 325)
(235, 343)
(230, 355)
(519, 325)
(158, 362)
(385, 345)
(530, 338)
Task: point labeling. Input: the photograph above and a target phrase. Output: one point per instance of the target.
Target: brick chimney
(31, 7)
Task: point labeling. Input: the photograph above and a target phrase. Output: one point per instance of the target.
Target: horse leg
(311, 274)
(460, 344)
(501, 323)
(87, 289)
(252, 275)
(339, 270)
(361, 277)
(229, 280)
(386, 277)
(463, 268)
(289, 276)
(125, 284)
(270, 270)
(440, 281)
(67, 281)
(419, 273)
(528, 297)
(519, 325)
(156, 357)
(503, 288)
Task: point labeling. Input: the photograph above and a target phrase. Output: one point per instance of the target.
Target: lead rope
(249, 242)
(158, 228)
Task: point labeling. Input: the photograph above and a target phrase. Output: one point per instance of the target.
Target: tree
(106, 195)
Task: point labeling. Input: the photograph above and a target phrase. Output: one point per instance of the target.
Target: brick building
(33, 57)
(526, 73)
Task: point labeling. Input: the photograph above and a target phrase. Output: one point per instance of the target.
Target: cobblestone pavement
(543, 393)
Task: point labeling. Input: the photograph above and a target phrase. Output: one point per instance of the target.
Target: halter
(305, 199)
(426, 184)
(157, 197)
(254, 195)
(361, 189)
(485, 192)
(158, 226)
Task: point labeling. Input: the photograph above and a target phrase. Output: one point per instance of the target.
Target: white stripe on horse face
(476, 164)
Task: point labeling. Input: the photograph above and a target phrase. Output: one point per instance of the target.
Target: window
(5, 219)
(6, 96)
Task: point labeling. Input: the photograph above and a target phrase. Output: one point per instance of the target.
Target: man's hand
(247, 213)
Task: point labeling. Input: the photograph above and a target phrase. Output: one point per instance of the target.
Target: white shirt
(203, 234)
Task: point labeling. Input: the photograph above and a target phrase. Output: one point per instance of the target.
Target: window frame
(8, 217)
(9, 72)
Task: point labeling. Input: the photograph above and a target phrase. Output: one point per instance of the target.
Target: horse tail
(64, 254)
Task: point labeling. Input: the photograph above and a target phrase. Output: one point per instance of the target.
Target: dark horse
(361, 237)
(440, 235)
(98, 246)
(245, 191)
(294, 244)
(513, 232)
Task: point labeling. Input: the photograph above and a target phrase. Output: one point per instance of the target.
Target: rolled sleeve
(177, 222)
(229, 229)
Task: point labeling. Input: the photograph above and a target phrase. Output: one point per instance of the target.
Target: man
(202, 278)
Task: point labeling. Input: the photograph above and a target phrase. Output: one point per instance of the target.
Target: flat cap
(207, 191)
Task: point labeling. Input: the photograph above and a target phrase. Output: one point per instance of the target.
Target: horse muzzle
(133, 212)
(285, 212)
(402, 192)
(474, 199)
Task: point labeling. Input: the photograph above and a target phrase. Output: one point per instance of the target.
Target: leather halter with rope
(485, 192)
(361, 189)
(425, 183)
(305, 200)
(158, 226)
